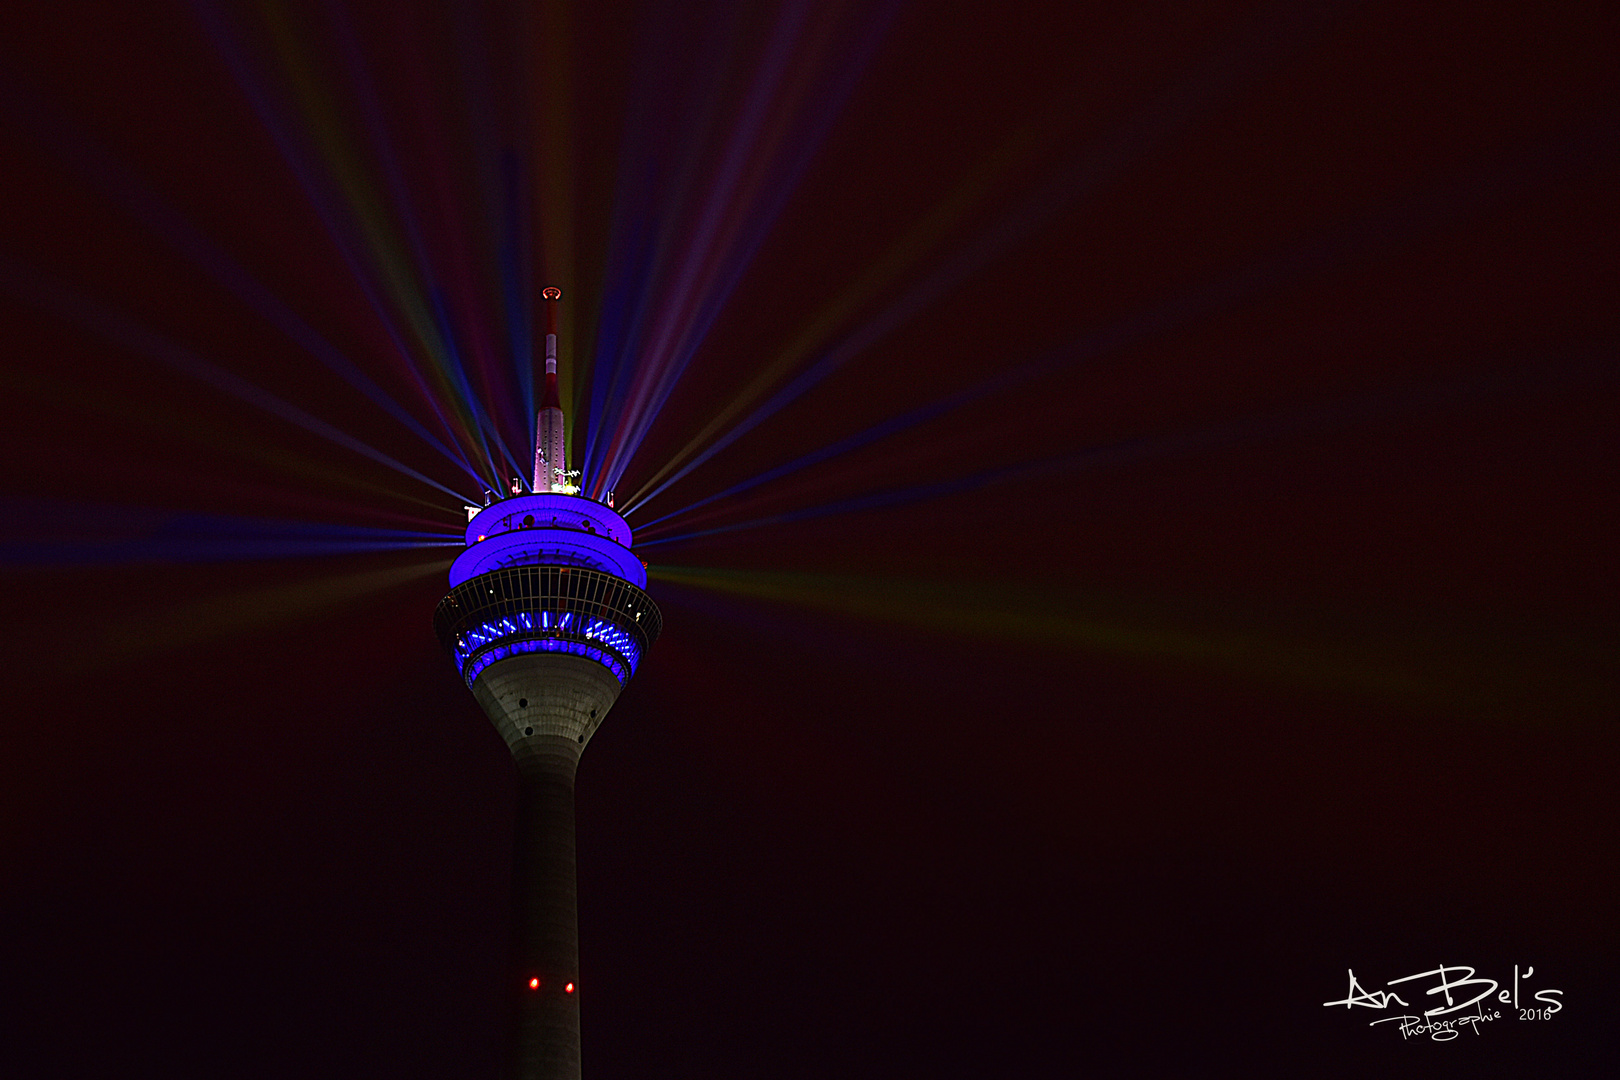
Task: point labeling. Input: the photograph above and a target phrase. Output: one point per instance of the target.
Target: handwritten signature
(1436, 1022)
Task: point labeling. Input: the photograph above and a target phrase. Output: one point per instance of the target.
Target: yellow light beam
(908, 252)
(1505, 674)
(139, 636)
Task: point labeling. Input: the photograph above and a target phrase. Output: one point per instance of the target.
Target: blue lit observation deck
(551, 530)
(547, 573)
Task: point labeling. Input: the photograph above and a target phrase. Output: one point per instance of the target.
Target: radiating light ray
(464, 324)
(406, 269)
(1256, 49)
(76, 307)
(516, 258)
(903, 256)
(1159, 318)
(1458, 667)
(1089, 347)
(202, 621)
(427, 289)
(652, 242)
(410, 284)
(851, 347)
(1402, 221)
(408, 214)
(1599, 366)
(94, 164)
(991, 609)
(305, 173)
(650, 224)
(365, 212)
(646, 235)
(1117, 453)
(768, 147)
(875, 433)
(484, 424)
(632, 249)
(714, 229)
(214, 435)
(503, 210)
(426, 300)
(38, 532)
(504, 298)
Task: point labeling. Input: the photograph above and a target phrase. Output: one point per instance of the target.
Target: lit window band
(519, 610)
(546, 631)
(539, 645)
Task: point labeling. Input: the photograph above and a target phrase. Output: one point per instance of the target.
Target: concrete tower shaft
(546, 706)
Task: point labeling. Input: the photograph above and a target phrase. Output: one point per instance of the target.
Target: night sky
(1130, 488)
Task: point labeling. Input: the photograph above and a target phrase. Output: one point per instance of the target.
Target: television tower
(547, 618)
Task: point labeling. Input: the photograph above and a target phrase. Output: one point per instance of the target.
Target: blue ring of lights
(546, 631)
(525, 610)
(543, 645)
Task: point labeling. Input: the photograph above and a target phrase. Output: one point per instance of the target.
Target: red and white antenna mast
(551, 439)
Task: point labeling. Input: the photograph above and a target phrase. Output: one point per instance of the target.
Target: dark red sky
(1269, 632)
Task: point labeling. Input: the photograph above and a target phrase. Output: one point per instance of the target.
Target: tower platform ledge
(548, 510)
(548, 529)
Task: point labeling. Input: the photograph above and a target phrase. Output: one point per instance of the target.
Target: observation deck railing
(529, 609)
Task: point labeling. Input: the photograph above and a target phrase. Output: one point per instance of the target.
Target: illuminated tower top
(550, 571)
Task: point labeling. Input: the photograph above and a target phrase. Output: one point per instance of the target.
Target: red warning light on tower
(534, 984)
(569, 989)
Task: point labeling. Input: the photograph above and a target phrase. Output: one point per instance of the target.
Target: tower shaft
(546, 706)
(546, 923)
